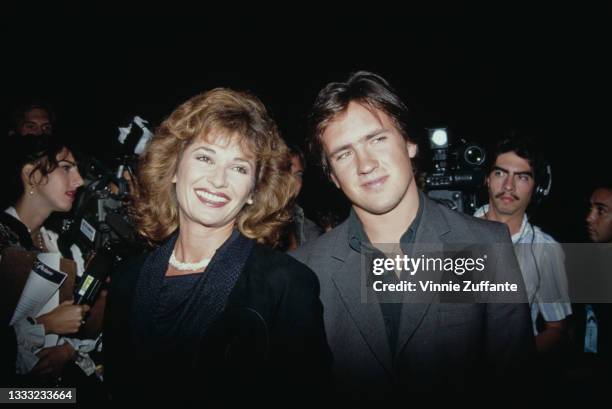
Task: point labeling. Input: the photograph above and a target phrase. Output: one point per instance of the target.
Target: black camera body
(457, 173)
(100, 219)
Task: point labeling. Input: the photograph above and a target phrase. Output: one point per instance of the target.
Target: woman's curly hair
(155, 206)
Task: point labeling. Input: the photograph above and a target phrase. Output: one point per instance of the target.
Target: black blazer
(269, 341)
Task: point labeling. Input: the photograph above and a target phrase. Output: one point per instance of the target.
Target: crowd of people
(240, 291)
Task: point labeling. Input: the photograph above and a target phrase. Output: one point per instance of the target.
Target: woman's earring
(31, 189)
(250, 201)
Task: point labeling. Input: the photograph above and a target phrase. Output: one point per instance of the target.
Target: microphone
(94, 276)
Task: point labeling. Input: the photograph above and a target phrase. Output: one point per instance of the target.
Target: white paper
(42, 284)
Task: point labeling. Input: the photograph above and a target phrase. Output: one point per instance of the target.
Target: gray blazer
(440, 346)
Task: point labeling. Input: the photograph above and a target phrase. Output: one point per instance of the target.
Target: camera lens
(474, 155)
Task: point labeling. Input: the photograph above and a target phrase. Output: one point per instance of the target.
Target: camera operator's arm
(51, 361)
(89, 336)
(64, 319)
(30, 333)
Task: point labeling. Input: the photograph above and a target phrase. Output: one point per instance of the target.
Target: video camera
(100, 220)
(458, 171)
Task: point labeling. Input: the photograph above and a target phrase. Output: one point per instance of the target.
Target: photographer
(519, 178)
(47, 178)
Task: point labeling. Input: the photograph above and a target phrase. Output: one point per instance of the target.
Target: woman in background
(45, 180)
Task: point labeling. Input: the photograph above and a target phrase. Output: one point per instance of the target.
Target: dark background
(478, 71)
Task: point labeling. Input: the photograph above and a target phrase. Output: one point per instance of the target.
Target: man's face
(599, 219)
(36, 122)
(297, 170)
(369, 159)
(510, 184)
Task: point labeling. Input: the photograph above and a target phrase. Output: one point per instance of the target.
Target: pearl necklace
(179, 265)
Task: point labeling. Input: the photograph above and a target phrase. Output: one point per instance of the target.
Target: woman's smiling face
(214, 180)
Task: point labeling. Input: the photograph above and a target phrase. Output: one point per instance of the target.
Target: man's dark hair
(367, 89)
(295, 150)
(18, 114)
(524, 147)
(602, 182)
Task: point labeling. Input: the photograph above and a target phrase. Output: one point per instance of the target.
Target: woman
(46, 179)
(212, 308)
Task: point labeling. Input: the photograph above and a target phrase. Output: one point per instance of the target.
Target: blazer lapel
(427, 241)
(359, 300)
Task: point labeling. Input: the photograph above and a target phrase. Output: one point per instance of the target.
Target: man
(32, 119)
(384, 349)
(302, 229)
(599, 219)
(516, 170)
(591, 369)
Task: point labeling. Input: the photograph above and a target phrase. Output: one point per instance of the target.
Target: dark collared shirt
(390, 305)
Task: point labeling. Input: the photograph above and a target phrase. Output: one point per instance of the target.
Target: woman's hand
(64, 319)
(53, 359)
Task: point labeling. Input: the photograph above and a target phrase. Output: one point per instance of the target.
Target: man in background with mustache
(518, 178)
